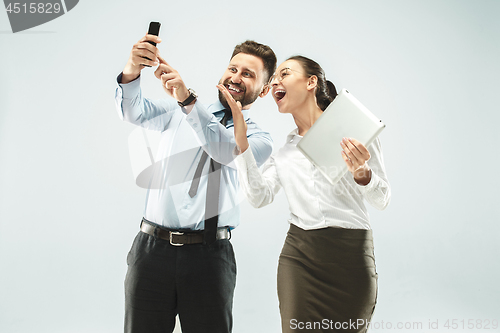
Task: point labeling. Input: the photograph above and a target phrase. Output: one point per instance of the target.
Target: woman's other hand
(356, 157)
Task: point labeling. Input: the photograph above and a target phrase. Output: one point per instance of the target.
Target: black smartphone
(154, 29)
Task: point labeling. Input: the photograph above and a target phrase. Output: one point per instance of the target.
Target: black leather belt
(178, 237)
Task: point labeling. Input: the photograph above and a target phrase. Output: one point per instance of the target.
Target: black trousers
(195, 281)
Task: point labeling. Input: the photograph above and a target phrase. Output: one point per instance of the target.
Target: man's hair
(259, 50)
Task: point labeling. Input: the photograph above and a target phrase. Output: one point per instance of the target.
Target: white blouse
(314, 202)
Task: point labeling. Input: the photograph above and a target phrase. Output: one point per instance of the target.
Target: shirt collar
(292, 134)
(217, 106)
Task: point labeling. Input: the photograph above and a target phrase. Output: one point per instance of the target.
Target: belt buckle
(175, 233)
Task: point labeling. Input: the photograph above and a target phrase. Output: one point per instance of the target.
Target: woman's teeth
(279, 94)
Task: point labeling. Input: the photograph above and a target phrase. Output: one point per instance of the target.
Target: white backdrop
(69, 208)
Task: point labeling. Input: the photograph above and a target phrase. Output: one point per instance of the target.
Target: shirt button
(195, 125)
(190, 120)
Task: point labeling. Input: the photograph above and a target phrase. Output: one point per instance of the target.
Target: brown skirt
(327, 280)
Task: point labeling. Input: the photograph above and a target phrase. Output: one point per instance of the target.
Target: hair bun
(332, 91)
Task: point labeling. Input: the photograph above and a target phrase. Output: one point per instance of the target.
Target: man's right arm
(130, 104)
(132, 107)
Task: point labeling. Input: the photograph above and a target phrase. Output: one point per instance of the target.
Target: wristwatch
(192, 96)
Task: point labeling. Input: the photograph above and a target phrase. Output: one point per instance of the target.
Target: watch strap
(192, 96)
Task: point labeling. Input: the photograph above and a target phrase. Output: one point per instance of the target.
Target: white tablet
(344, 117)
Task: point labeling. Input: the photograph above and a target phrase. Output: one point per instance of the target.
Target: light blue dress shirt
(183, 139)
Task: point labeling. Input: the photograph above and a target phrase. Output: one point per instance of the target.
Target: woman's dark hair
(326, 91)
(259, 50)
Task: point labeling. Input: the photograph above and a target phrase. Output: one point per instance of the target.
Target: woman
(327, 279)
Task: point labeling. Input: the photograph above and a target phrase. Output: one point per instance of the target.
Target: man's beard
(245, 99)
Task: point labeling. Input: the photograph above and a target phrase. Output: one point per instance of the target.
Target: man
(181, 262)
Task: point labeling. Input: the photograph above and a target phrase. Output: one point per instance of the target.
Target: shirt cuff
(245, 159)
(187, 109)
(374, 180)
(129, 90)
(198, 118)
(236, 151)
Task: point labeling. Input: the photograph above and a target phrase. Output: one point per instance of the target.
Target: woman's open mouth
(279, 94)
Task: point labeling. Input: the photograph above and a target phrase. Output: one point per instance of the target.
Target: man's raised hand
(240, 126)
(171, 81)
(137, 59)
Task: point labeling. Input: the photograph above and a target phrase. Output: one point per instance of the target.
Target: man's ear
(312, 82)
(265, 90)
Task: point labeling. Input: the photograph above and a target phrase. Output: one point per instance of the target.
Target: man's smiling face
(244, 78)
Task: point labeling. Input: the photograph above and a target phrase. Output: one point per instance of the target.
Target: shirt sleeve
(377, 192)
(259, 187)
(219, 142)
(134, 108)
